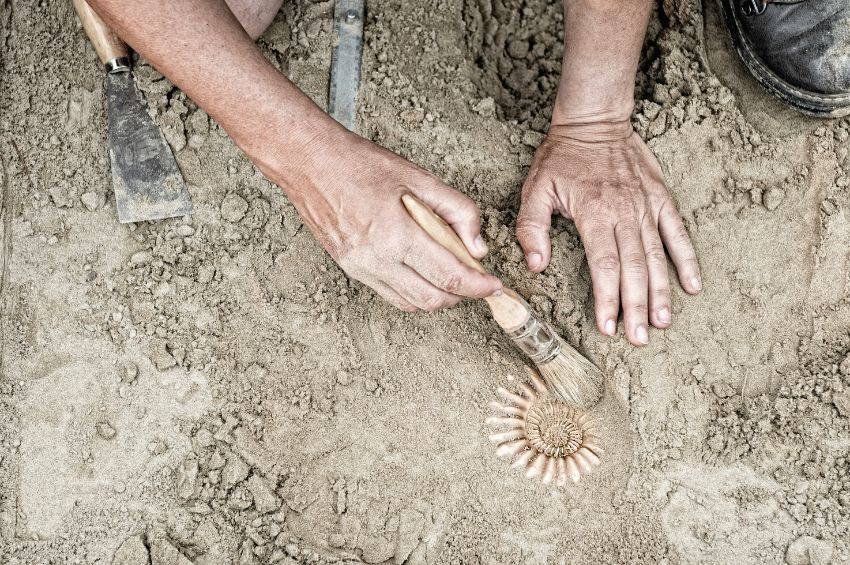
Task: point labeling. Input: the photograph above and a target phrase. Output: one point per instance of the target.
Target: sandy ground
(213, 389)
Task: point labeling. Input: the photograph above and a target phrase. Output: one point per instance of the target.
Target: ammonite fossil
(551, 440)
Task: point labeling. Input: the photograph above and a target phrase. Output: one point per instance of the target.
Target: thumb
(460, 212)
(533, 223)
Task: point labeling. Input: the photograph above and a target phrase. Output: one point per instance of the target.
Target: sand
(213, 389)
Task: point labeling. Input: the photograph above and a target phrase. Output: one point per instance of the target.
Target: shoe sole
(810, 103)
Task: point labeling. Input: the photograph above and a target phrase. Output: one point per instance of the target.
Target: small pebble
(412, 116)
(773, 197)
(140, 257)
(343, 378)
(157, 448)
(185, 231)
(105, 430)
(291, 549)
(129, 372)
(336, 540)
(91, 200)
(233, 207)
(485, 107)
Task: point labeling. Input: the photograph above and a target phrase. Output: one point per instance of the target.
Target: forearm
(203, 49)
(602, 44)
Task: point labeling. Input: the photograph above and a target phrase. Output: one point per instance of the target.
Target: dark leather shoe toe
(798, 49)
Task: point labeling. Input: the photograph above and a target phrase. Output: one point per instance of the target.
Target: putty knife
(345, 66)
(147, 183)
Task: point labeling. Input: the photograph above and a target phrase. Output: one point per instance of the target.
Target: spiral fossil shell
(551, 440)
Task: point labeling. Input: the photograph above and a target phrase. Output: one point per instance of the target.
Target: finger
(391, 296)
(417, 291)
(438, 266)
(604, 261)
(679, 246)
(659, 281)
(459, 211)
(633, 281)
(533, 223)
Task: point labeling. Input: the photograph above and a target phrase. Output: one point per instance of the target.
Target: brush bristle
(572, 377)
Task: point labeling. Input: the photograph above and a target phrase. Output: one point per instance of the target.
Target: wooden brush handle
(108, 45)
(509, 310)
(440, 231)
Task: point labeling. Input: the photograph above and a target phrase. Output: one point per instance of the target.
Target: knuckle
(681, 236)
(594, 232)
(452, 283)
(527, 228)
(432, 302)
(593, 208)
(469, 208)
(635, 263)
(639, 308)
(609, 263)
(667, 206)
(661, 293)
(655, 254)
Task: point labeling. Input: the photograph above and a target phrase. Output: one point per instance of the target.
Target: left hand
(609, 183)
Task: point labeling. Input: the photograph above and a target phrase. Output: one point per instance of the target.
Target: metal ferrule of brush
(117, 65)
(537, 340)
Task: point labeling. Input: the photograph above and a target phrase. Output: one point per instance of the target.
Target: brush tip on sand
(572, 377)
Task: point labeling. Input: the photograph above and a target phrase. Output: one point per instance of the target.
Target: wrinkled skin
(349, 189)
(354, 209)
(609, 183)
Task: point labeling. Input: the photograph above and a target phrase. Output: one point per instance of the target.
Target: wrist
(593, 105)
(591, 129)
(594, 98)
(290, 152)
(596, 112)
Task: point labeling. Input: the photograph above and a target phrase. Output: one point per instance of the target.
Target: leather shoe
(799, 50)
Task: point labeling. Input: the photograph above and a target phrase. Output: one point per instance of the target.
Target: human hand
(348, 192)
(605, 178)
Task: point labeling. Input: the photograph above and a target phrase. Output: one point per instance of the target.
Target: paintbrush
(567, 373)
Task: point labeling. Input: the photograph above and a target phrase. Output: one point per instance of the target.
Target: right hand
(348, 192)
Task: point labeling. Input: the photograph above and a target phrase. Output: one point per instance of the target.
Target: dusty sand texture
(214, 390)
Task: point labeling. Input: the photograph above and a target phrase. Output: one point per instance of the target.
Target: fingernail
(664, 315)
(534, 260)
(610, 327)
(641, 335)
(696, 283)
(497, 293)
(480, 245)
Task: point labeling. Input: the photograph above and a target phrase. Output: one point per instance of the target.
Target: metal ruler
(345, 65)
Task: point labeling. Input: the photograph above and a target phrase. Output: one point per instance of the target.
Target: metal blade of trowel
(148, 185)
(147, 182)
(345, 66)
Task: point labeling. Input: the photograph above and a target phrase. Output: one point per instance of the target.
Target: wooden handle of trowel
(108, 45)
(509, 309)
